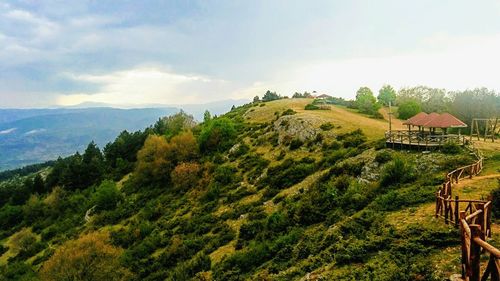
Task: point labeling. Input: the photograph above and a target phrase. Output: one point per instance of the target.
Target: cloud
(36, 131)
(145, 85)
(8, 131)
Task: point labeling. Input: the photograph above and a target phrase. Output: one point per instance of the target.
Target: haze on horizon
(174, 52)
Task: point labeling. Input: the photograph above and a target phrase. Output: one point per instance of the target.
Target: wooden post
(456, 211)
(465, 249)
(437, 203)
(475, 252)
(481, 219)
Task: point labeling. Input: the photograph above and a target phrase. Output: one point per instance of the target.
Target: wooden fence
(421, 139)
(474, 222)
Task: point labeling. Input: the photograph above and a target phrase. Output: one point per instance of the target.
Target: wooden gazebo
(427, 139)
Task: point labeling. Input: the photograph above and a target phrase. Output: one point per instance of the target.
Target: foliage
(306, 95)
(107, 196)
(408, 109)
(365, 101)
(311, 107)
(121, 154)
(386, 95)
(288, 112)
(451, 147)
(186, 175)
(217, 135)
(495, 201)
(90, 257)
(173, 125)
(295, 144)
(158, 157)
(326, 126)
(396, 171)
(383, 157)
(270, 96)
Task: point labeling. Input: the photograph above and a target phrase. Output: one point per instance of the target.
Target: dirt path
(475, 179)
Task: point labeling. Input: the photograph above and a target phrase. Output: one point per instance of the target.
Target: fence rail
(474, 222)
(421, 139)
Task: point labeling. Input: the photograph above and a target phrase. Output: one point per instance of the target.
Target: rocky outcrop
(292, 127)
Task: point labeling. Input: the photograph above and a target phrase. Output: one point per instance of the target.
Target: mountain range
(29, 136)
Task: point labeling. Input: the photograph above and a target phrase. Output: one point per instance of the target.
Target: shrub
(383, 157)
(326, 126)
(3, 249)
(249, 231)
(408, 109)
(311, 107)
(288, 112)
(186, 175)
(107, 196)
(396, 171)
(225, 174)
(90, 256)
(450, 148)
(352, 139)
(295, 144)
(217, 135)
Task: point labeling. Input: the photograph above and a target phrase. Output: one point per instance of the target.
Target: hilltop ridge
(268, 191)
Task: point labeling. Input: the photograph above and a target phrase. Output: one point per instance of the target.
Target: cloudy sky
(55, 53)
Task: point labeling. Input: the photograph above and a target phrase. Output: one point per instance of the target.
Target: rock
(290, 127)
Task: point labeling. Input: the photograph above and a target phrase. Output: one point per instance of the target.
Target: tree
(269, 96)
(153, 160)
(38, 184)
(256, 99)
(90, 257)
(186, 175)
(107, 196)
(218, 135)
(92, 166)
(408, 109)
(158, 157)
(386, 94)
(207, 116)
(121, 154)
(365, 101)
(174, 124)
(22, 240)
(184, 147)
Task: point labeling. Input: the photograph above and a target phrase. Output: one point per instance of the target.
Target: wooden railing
(473, 241)
(474, 222)
(419, 138)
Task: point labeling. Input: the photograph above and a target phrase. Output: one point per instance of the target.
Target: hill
(268, 191)
(29, 136)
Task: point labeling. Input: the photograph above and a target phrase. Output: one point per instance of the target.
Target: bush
(352, 139)
(186, 176)
(101, 260)
(217, 135)
(409, 109)
(107, 196)
(450, 148)
(295, 144)
(383, 157)
(311, 107)
(288, 112)
(326, 126)
(396, 171)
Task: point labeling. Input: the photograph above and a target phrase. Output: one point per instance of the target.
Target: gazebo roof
(417, 119)
(445, 120)
(435, 120)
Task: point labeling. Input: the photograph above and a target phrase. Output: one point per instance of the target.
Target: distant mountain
(29, 136)
(45, 137)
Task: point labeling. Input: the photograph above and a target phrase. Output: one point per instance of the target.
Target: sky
(132, 53)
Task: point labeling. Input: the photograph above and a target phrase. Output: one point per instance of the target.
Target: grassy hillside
(269, 191)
